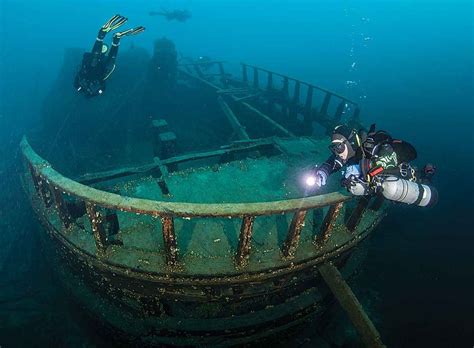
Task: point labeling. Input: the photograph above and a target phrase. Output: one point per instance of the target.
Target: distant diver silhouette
(178, 15)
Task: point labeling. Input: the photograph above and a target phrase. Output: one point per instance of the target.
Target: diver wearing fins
(376, 164)
(99, 64)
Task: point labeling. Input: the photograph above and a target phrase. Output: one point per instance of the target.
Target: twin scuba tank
(391, 187)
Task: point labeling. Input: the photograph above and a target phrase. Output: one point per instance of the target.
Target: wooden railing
(297, 99)
(51, 187)
(294, 99)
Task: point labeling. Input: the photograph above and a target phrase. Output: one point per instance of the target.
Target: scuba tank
(405, 191)
(392, 188)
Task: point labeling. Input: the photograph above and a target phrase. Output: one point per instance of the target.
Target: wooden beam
(234, 122)
(295, 100)
(308, 107)
(325, 105)
(245, 237)
(161, 179)
(255, 78)
(245, 77)
(169, 239)
(328, 223)
(270, 81)
(339, 111)
(93, 178)
(268, 119)
(303, 83)
(294, 233)
(247, 97)
(40, 187)
(98, 229)
(222, 74)
(346, 298)
(60, 205)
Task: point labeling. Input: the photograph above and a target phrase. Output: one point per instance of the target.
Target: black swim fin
(114, 23)
(130, 32)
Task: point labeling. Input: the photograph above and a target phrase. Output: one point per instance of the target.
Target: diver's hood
(351, 147)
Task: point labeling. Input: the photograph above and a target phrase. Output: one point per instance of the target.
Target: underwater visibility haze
(223, 102)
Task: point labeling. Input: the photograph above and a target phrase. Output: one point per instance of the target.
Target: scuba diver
(179, 15)
(376, 163)
(98, 65)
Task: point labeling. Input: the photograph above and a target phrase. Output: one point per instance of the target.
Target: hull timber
(223, 273)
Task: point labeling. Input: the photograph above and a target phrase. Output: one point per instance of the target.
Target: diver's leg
(110, 65)
(97, 48)
(112, 24)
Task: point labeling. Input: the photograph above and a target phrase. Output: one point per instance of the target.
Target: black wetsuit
(378, 153)
(96, 67)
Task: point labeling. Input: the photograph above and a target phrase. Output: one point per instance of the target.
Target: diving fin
(114, 23)
(130, 32)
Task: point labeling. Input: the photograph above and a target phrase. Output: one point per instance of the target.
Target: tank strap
(421, 191)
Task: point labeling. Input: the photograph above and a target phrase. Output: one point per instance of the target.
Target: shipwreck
(215, 246)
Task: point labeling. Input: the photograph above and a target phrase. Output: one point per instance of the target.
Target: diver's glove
(321, 177)
(317, 178)
(355, 185)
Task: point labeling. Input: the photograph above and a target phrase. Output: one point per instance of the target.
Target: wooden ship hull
(218, 247)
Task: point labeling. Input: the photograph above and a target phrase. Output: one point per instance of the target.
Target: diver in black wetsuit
(177, 15)
(97, 65)
(376, 163)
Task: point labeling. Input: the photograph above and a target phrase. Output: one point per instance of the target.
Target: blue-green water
(408, 64)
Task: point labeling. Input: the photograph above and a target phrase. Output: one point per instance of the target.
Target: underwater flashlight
(310, 180)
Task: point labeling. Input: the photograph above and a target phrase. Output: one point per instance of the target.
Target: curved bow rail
(52, 187)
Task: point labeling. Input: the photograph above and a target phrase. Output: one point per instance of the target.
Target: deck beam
(346, 298)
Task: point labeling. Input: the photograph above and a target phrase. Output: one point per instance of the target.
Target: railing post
(324, 107)
(328, 223)
(308, 107)
(357, 213)
(270, 81)
(295, 100)
(97, 225)
(285, 93)
(222, 72)
(243, 250)
(255, 78)
(294, 233)
(339, 111)
(356, 114)
(61, 207)
(271, 95)
(169, 239)
(286, 84)
(245, 77)
(40, 187)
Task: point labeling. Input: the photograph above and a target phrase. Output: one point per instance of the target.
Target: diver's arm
(331, 165)
(322, 171)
